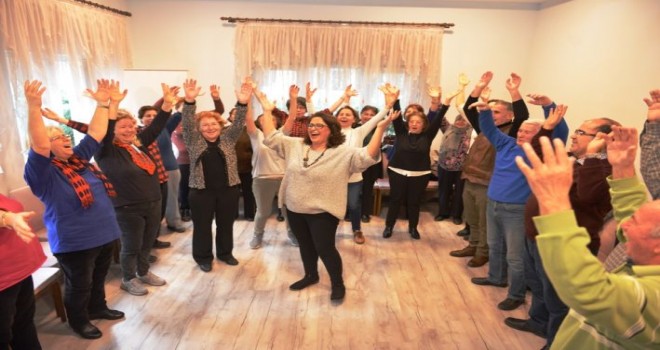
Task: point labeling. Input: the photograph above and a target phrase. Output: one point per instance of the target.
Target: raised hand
(484, 80)
(653, 103)
(294, 90)
(513, 83)
(244, 94)
(597, 144)
(19, 222)
(463, 80)
(215, 92)
(33, 92)
(393, 115)
(266, 104)
(102, 93)
(49, 114)
(555, 117)
(391, 93)
(435, 92)
(551, 178)
(349, 92)
(383, 124)
(170, 96)
(191, 90)
(539, 100)
(622, 145)
(480, 105)
(485, 94)
(309, 92)
(451, 96)
(116, 95)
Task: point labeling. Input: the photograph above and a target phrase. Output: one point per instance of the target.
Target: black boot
(338, 292)
(305, 282)
(387, 232)
(414, 233)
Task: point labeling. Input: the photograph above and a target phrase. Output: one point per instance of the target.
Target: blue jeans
(354, 205)
(547, 311)
(506, 239)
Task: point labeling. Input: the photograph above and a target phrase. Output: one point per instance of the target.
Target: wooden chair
(47, 280)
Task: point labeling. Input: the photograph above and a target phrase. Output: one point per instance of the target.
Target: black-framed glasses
(315, 126)
(580, 132)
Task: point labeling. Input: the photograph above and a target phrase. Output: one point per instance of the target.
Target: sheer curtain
(333, 56)
(65, 45)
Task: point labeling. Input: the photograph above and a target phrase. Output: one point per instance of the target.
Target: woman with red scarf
(81, 224)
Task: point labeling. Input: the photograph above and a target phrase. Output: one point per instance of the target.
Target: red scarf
(71, 169)
(140, 159)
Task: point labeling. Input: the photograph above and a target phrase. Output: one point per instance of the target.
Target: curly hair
(209, 114)
(336, 138)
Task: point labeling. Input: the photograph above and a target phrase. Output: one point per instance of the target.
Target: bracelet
(2, 220)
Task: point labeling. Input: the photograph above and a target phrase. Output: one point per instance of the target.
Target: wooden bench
(383, 186)
(47, 280)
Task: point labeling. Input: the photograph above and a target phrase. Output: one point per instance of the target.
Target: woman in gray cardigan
(214, 177)
(314, 187)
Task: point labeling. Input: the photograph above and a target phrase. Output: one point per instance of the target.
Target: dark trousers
(183, 186)
(249, 203)
(206, 205)
(316, 238)
(409, 189)
(17, 317)
(547, 311)
(163, 200)
(139, 225)
(450, 193)
(84, 281)
(369, 178)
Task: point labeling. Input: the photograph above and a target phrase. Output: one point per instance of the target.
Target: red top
(18, 259)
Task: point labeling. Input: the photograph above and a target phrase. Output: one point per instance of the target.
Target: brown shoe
(467, 251)
(358, 237)
(478, 261)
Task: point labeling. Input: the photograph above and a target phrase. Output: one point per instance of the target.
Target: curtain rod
(280, 20)
(106, 8)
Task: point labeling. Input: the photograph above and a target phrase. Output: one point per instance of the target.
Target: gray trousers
(172, 214)
(475, 200)
(265, 190)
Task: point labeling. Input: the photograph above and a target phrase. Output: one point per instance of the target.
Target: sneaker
(133, 286)
(255, 243)
(151, 279)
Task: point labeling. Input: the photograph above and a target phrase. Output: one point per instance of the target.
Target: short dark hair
(301, 101)
(417, 107)
(336, 138)
(507, 104)
(369, 108)
(145, 109)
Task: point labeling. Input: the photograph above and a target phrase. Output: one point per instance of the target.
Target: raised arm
(149, 134)
(650, 144)
(108, 96)
(267, 122)
(309, 94)
(471, 113)
(520, 111)
(373, 148)
(293, 107)
(344, 99)
(554, 117)
(39, 141)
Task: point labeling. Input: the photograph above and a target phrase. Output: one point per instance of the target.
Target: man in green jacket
(619, 310)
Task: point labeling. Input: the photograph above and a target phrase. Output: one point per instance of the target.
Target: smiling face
(209, 127)
(581, 137)
(416, 123)
(367, 114)
(346, 117)
(527, 132)
(501, 113)
(643, 246)
(60, 143)
(125, 129)
(318, 131)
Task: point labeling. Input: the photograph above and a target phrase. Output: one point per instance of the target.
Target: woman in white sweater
(314, 188)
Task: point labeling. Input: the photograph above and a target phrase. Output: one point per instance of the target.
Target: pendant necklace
(305, 165)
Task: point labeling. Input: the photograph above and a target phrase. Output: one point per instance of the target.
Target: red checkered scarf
(139, 158)
(154, 151)
(71, 169)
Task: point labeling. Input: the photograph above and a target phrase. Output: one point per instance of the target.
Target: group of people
(534, 215)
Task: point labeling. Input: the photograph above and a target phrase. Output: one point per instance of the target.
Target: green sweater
(619, 310)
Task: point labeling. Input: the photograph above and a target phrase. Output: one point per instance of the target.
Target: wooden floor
(401, 294)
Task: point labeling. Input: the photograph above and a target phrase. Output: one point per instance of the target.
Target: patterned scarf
(140, 159)
(71, 169)
(154, 152)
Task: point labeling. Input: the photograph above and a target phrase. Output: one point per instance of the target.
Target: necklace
(307, 158)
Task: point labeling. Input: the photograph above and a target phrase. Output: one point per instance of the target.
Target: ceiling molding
(526, 5)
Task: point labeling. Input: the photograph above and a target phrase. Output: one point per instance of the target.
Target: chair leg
(58, 301)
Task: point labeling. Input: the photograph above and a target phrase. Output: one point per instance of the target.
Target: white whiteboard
(144, 86)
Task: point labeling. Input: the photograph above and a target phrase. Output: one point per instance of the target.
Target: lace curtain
(333, 56)
(65, 45)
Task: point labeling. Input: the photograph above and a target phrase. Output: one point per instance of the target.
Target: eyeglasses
(315, 126)
(580, 132)
(60, 137)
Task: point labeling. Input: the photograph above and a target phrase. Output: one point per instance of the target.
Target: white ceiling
(480, 4)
